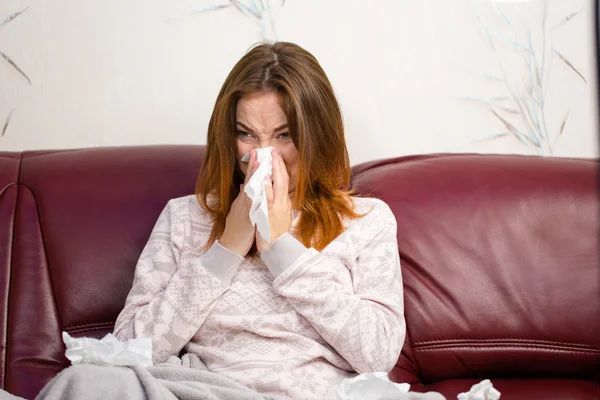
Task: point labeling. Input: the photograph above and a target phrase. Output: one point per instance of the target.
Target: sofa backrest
(500, 264)
(499, 256)
(9, 176)
(82, 219)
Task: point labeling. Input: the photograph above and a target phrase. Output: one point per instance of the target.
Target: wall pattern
(412, 77)
(12, 64)
(526, 54)
(262, 13)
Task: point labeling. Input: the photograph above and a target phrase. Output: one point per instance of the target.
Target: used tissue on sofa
(255, 189)
(371, 385)
(484, 390)
(108, 351)
(377, 386)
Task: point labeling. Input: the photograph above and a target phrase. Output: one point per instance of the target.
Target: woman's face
(260, 122)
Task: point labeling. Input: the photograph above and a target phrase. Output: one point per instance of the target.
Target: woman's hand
(239, 232)
(279, 202)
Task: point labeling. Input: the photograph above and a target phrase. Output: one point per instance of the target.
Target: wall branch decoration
(12, 64)
(525, 56)
(263, 13)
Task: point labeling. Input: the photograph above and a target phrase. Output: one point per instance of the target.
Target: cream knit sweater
(294, 322)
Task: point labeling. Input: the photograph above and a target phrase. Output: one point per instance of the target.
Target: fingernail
(276, 161)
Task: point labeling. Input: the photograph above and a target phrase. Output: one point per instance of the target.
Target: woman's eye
(284, 135)
(243, 134)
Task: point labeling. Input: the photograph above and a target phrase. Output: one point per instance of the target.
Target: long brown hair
(315, 125)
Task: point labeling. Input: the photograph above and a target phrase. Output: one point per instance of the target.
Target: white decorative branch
(12, 64)
(262, 13)
(527, 89)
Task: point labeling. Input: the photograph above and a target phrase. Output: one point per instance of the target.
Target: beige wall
(115, 72)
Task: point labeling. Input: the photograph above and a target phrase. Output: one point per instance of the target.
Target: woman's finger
(280, 175)
(251, 166)
(285, 174)
(236, 201)
(269, 191)
(243, 198)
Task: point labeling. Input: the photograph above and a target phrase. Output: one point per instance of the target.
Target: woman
(319, 303)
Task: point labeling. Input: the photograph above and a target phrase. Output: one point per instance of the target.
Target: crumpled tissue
(483, 390)
(371, 386)
(108, 351)
(255, 189)
(377, 386)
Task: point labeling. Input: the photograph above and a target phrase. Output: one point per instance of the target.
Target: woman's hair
(315, 124)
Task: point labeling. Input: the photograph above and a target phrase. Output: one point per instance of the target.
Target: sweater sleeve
(172, 295)
(364, 322)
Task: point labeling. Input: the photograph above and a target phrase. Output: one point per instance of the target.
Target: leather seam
(38, 365)
(590, 352)
(402, 160)
(37, 210)
(29, 154)
(36, 154)
(97, 325)
(5, 188)
(437, 156)
(509, 340)
(10, 273)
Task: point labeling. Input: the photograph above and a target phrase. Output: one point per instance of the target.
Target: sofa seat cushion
(519, 389)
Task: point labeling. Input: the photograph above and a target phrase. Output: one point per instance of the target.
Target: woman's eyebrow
(244, 127)
(279, 128)
(284, 126)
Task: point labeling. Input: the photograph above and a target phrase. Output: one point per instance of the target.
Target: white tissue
(255, 189)
(108, 351)
(371, 386)
(483, 390)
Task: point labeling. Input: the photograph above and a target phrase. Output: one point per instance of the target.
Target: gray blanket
(183, 378)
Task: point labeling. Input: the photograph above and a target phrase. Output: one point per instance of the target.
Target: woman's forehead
(260, 110)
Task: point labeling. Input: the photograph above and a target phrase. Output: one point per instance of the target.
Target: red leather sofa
(500, 261)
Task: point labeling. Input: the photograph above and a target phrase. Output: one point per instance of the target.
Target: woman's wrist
(231, 247)
(282, 253)
(221, 262)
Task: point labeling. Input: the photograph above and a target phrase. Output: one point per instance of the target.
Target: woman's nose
(266, 144)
